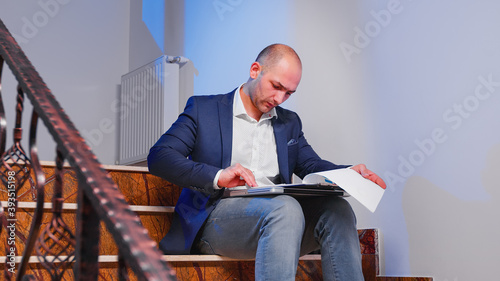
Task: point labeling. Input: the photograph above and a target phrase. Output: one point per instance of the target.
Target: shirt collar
(239, 108)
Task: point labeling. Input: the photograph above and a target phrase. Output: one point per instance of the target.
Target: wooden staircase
(153, 199)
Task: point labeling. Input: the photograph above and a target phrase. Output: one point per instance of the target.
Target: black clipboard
(301, 189)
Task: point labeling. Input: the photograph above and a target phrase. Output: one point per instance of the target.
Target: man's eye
(277, 87)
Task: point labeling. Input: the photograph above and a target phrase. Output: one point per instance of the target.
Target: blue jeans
(277, 230)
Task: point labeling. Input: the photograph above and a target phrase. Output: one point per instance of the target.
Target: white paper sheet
(365, 191)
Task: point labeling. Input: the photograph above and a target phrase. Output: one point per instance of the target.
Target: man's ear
(255, 70)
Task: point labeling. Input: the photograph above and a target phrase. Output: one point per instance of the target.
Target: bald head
(274, 77)
(271, 55)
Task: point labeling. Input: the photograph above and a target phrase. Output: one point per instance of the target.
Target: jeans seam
(262, 234)
(334, 264)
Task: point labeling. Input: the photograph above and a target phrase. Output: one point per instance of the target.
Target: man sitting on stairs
(241, 138)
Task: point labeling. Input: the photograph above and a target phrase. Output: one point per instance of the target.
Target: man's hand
(367, 174)
(236, 175)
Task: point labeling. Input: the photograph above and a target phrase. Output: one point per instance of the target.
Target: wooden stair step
(210, 267)
(30, 206)
(153, 199)
(167, 258)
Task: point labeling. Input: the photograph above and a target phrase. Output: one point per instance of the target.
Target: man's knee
(340, 209)
(287, 213)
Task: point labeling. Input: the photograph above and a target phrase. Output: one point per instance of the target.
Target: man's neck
(250, 108)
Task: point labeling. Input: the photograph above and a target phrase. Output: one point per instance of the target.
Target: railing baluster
(122, 268)
(15, 170)
(3, 134)
(87, 246)
(40, 188)
(3, 121)
(56, 240)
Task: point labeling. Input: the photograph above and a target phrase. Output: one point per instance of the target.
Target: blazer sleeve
(168, 158)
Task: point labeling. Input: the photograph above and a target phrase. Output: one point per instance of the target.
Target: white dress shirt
(254, 146)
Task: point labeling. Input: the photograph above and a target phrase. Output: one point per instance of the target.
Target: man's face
(275, 85)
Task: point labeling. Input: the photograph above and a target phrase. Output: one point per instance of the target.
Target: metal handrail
(99, 197)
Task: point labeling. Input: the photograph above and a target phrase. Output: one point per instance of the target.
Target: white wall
(392, 84)
(437, 135)
(80, 49)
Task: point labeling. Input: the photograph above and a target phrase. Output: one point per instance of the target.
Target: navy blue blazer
(199, 144)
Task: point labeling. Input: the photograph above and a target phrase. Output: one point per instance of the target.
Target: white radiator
(151, 98)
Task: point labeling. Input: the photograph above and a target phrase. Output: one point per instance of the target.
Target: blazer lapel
(282, 148)
(226, 127)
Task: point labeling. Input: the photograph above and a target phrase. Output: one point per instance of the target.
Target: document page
(363, 190)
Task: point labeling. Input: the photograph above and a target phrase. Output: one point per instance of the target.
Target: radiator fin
(149, 104)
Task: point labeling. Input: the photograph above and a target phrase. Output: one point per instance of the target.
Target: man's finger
(376, 179)
(241, 174)
(248, 177)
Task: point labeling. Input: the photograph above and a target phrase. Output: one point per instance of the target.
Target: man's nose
(279, 97)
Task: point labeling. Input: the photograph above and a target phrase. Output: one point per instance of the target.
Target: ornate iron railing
(99, 200)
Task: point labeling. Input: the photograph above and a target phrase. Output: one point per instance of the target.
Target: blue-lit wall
(153, 16)
(223, 38)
